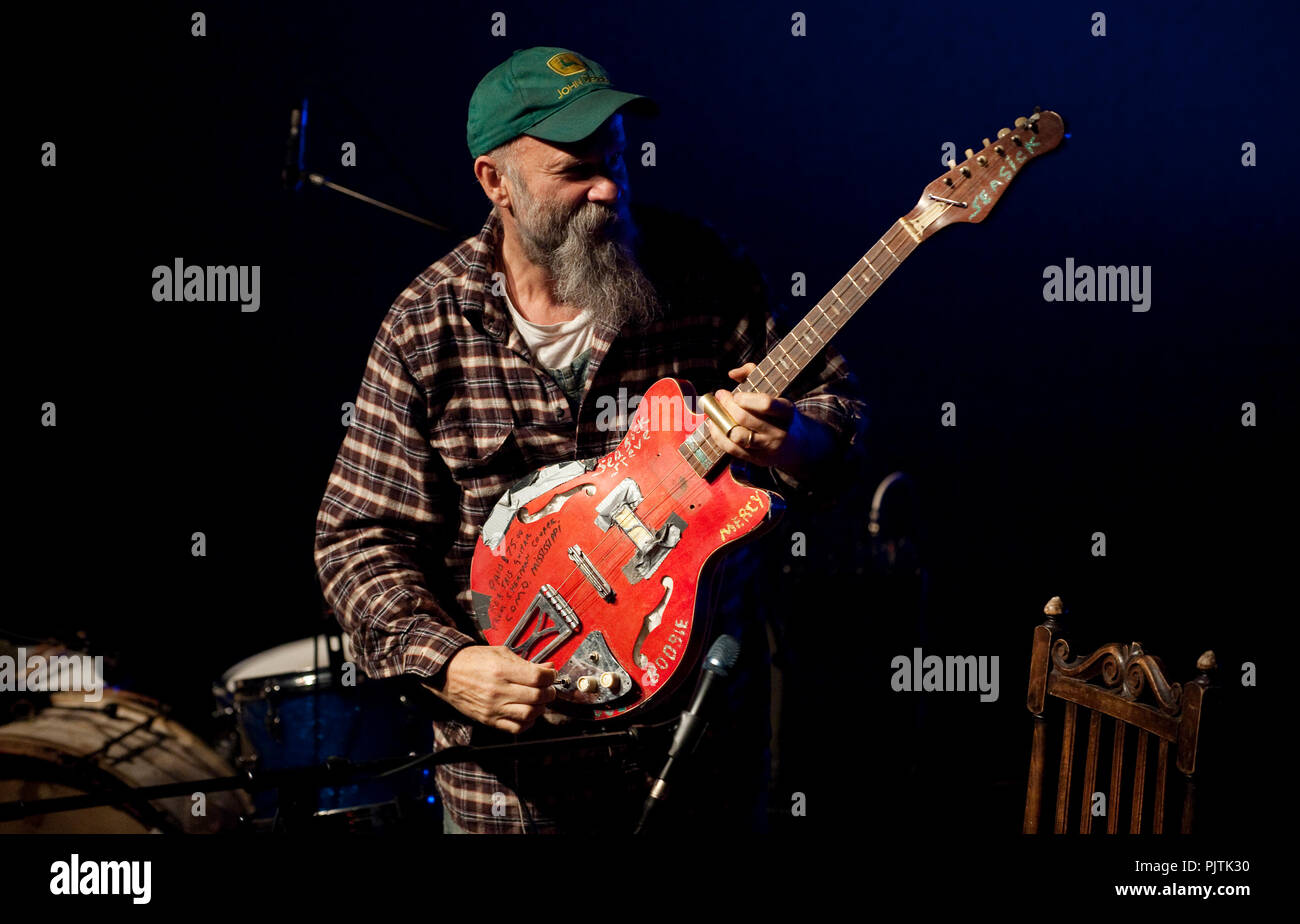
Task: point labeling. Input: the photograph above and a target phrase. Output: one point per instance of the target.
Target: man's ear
(492, 179)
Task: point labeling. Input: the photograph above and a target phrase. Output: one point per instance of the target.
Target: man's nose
(604, 190)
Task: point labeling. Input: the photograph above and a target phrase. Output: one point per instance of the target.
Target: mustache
(596, 222)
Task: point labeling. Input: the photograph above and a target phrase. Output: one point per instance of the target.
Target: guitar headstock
(970, 189)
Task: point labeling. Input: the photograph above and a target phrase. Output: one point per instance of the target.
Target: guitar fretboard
(807, 338)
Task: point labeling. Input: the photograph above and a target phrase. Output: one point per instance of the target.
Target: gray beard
(588, 256)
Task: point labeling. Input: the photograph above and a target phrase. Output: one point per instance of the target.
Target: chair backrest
(1108, 684)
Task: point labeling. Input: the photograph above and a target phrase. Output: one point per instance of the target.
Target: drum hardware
(335, 772)
(130, 754)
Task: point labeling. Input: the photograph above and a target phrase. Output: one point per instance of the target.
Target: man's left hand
(769, 430)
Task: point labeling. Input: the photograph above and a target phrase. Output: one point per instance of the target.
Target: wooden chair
(1109, 683)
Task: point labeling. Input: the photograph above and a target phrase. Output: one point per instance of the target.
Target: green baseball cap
(548, 93)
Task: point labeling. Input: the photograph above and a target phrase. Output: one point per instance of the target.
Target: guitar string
(574, 584)
(585, 593)
(574, 588)
(893, 236)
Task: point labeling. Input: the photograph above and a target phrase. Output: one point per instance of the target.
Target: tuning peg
(969, 153)
(986, 143)
(1003, 132)
(1021, 122)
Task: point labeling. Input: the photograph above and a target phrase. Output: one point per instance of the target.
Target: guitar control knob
(609, 680)
(588, 684)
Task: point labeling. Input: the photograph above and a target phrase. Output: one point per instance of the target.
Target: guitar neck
(807, 338)
(966, 193)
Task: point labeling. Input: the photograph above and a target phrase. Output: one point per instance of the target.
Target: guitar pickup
(591, 573)
(553, 621)
(619, 509)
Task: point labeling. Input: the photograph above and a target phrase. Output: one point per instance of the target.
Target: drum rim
(295, 682)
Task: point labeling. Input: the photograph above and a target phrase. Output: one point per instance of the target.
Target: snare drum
(299, 704)
(73, 747)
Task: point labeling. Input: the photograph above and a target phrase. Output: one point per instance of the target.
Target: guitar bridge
(551, 618)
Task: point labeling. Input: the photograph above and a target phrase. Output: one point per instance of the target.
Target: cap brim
(583, 116)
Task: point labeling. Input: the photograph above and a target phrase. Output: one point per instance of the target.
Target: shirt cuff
(845, 422)
(427, 645)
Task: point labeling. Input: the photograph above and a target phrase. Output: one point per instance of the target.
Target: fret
(845, 308)
(758, 373)
(865, 295)
(783, 362)
(811, 330)
(800, 344)
(846, 283)
(810, 335)
(827, 318)
(871, 266)
(819, 327)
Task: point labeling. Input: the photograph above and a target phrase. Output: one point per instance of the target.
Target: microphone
(721, 658)
(291, 173)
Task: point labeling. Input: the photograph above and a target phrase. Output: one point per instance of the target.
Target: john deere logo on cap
(565, 64)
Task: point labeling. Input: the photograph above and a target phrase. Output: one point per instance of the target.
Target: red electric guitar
(602, 566)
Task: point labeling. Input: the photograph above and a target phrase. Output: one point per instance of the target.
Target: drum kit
(284, 715)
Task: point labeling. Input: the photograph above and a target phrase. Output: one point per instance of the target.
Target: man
(509, 354)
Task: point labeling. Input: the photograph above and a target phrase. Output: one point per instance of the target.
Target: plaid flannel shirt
(453, 409)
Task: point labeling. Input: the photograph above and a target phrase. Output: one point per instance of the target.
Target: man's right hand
(493, 685)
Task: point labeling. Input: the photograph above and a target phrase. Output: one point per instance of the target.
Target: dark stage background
(1071, 417)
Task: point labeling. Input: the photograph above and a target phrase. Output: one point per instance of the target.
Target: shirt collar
(478, 298)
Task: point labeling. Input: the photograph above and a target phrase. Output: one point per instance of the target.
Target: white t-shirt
(556, 346)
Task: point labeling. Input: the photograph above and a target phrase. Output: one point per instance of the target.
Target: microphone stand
(294, 172)
(317, 179)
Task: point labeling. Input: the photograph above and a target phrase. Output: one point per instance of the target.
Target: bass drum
(72, 747)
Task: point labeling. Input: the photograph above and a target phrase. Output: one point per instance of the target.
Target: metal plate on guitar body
(594, 565)
(593, 676)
